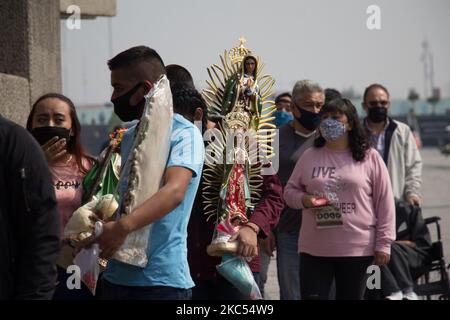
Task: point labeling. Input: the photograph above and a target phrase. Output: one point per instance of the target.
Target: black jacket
(29, 221)
(411, 226)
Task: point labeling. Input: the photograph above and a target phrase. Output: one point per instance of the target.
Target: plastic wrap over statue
(148, 159)
(238, 99)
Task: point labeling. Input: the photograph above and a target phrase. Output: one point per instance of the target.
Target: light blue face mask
(332, 129)
(282, 117)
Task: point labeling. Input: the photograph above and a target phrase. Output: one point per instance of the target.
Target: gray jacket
(404, 162)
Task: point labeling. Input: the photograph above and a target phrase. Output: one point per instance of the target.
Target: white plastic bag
(87, 261)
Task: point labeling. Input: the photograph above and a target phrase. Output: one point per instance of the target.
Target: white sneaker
(410, 296)
(395, 296)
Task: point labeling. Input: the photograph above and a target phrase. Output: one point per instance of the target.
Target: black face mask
(309, 120)
(124, 110)
(377, 114)
(44, 134)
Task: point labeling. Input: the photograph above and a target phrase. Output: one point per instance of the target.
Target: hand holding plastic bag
(87, 261)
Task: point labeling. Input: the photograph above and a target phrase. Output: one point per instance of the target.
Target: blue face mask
(331, 129)
(282, 117)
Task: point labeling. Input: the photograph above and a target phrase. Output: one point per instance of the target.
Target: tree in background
(434, 99)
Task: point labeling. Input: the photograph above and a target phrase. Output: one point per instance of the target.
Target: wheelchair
(434, 279)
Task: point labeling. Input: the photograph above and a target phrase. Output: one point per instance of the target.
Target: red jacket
(200, 231)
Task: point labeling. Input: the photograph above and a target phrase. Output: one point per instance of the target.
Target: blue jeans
(110, 291)
(288, 265)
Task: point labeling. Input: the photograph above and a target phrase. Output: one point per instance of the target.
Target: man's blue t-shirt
(167, 251)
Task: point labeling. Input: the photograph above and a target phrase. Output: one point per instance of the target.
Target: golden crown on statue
(238, 119)
(237, 54)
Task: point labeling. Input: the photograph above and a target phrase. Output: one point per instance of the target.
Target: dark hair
(256, 64)
(358, 141)
(74, 145)
(331, 94)
(135, 55)
(186, 100)
(373, 86)
(282, 95)
(179, 75)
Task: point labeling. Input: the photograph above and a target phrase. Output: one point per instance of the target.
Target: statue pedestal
(218, 249)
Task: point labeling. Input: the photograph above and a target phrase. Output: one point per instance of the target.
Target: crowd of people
(329, 211)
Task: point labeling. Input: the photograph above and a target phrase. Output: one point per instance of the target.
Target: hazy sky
(323, 40)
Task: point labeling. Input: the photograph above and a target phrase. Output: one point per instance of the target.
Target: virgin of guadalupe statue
(243, 114)
(248, 85)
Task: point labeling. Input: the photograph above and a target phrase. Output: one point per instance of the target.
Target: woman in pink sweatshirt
(348, 222)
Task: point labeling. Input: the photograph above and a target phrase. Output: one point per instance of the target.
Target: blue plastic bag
(236, 270)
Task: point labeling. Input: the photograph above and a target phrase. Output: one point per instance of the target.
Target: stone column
(30, 62)
(30, 56)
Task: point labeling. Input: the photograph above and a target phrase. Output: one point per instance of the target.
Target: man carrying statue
(242, 195)
(162, 159)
